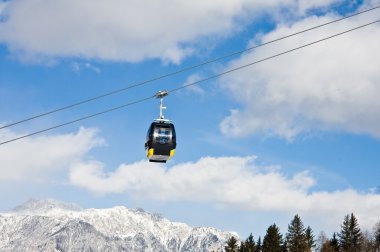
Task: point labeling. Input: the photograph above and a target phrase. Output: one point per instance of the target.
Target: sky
(296, 134)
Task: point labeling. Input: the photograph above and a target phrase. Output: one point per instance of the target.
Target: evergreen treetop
(334, 243)
(248, 245)
(232, 245)
(258, 245)
(309, 238)
(350, 236)
(377, 236)
(272, 240)
(296, 237)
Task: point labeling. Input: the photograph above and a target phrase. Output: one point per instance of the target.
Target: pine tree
(249, 244)
(334, 243)
(377, 236)
(284, 247)
(345, 234)
(309, 238)
(242, 247)
(258, 245)
(296, 237)
(272, 240)
(356, 233)
(232, 245)
(350, 236)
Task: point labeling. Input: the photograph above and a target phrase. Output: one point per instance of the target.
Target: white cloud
(124, 30)
(329, 86)
(234, 182)
(196, 89)
(77, 67)
(36, 158)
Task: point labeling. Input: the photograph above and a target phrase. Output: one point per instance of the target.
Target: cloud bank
(331, 86)
(126, 30)
(234, 182)
(37, 158)
(228, 182)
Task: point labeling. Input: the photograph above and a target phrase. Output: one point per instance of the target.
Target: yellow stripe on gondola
(150, 153)
(171, 153)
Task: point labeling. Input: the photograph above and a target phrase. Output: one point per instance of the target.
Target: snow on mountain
(34, 206)
(49, 225)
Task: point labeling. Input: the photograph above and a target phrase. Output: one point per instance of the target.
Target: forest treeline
(299, 238)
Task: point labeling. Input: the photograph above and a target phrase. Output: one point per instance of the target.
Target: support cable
(182, 70)
(195, 82)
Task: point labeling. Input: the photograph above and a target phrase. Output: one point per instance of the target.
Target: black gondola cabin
(160, 141)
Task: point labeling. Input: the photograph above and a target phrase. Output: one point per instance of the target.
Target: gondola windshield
(162, 135)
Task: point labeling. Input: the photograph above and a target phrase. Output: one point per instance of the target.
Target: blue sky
(291, 135)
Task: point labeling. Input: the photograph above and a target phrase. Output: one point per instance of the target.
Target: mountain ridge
(51, 225)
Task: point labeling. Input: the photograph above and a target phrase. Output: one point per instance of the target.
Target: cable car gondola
(161, 138)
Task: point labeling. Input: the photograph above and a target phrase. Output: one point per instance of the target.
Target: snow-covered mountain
(49, 225)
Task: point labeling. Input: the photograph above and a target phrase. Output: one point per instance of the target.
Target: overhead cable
(193, 83)
(183, 70)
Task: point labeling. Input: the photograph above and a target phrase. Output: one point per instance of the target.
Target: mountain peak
(42, 206)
